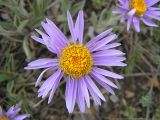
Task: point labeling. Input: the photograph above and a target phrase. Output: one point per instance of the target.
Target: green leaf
(6, 25)
(37, 21)
(98, 4)
(65, 6)
(10, 63)
(18, 9)
(130, 112)
(61, 18)
(38, 7)
(145, 100)
(76, 7)
(156, 116)
(27, 50)
(157, 59)
(10, 86)
(94, 19)
(22, 25)
(4, 77)
(133, 58)
(17, 21)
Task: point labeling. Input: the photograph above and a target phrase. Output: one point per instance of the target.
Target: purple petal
(53, 65)
(124, 4)
(47, 40)
(107, 73)
(153, 12)
(123, 18)
(49, 84)
(131, 12)
(151, 2)
(79, 26)
(136, 24)
(54, 39)
(152, 15)
(149, 22)
(85, 91)
(80, 97)
(119, 11)
(71, 26)
(103, 63)
(54, 87)
(121, 6)
(57, 37)
(46, 28)
(100, 36)
(13, 111)
(42, 63)
(109, 46)
(103, 79)
(40, 77)
(40, 40)
(68, 79)
(21, 117)
(96, 98)
(123, 1)
(102, 42)
(57, 31)
(129, 23)
(153, 8)
(1, 112)
(110, 52)
(91, 85)
(107, 87)
(71, 95)
(108, 59)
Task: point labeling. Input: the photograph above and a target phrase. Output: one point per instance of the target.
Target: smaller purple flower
(135, 11)
(12, 114)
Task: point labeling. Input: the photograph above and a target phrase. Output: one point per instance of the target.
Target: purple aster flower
(135, 11)
(11, 114)
(78, 63)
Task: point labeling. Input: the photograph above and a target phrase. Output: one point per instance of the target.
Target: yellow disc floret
(4, 118)
(76, 60)
(139, 5)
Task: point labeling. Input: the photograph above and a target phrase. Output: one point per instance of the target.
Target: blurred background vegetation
(139, 93)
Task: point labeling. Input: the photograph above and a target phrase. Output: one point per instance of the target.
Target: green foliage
(157, 113)
(132, 60)
(73, 9)
(5, 76)
(76, 7)
(65, 6)
(19, 24)
(16, 6)
(9, 63)
(38, 7)
(145, 101)
(27, 50)
(157, 59)
(103, 20)
(12, 96)
(98, 4)
(130, 112)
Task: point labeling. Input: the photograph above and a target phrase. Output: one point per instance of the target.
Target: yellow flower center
(76, 60)
(4, 118)
(139, 5)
